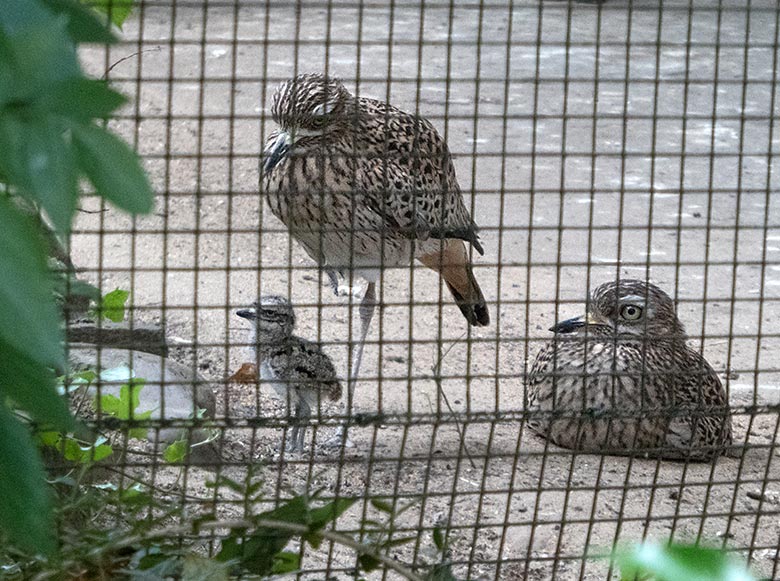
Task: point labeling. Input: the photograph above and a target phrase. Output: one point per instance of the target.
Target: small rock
(697, 214)
(674, 494)
(755, 495)
(396, 359)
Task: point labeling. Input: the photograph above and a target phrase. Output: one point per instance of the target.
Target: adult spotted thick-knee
(622, 380)
(364, 186)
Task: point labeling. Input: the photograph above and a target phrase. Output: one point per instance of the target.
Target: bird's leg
(293, 441)
(304, 413)
(333, 278)
(367, 306)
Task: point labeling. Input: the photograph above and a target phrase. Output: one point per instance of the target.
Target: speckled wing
(706, 429)
(411, 207)
(310, 369)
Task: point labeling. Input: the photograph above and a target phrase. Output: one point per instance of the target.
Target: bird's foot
(337, 284)
(339, 440)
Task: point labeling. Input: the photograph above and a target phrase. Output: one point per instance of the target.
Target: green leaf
(40, 163)
(50, 439)
(198, 568)
(80, 98)
(382, 505)
(112, 305)
(29, 321)
(679, 562)
(124, 406)
(113, 168)
(139, 433)
(319, 517)
(25, 506)
(83, 24)
(118, 10)
(18, 13)
(31, 386)
(176, 452)
(256, 552)
(438, 538)
(368, 563)
(39, 53)
(286, 562)
(75, 451)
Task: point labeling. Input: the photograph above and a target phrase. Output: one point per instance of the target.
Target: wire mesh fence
(592, 142)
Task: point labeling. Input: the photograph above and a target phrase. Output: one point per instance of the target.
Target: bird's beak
(569, 325)
(247, 314)
(276, 151)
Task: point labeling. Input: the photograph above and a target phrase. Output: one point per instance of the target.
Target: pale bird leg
(367, 306)
(333, 279)
(298, 431)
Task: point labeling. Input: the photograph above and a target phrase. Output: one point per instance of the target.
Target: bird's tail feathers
(454, 266)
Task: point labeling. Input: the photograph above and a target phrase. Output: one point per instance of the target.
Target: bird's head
(629, 307)
(307, 109)
(272, 317)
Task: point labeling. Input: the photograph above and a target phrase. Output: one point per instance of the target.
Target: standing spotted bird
(623, 380)
(297, 369)
(364, 186)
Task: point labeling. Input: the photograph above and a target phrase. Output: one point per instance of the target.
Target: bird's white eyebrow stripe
(323, 109)
(633, 298)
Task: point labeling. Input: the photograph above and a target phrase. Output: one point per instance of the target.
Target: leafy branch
(52, 137)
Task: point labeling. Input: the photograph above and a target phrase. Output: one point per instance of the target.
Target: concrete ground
(588, 141)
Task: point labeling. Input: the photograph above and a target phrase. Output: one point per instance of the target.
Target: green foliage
(260, 552)
(50, 138)
(678, 562)
(117, 10)
(176, 452)
(26, 505)
(112, 305)
(124, 407)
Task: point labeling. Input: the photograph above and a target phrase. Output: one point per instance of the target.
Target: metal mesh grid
(591, 141)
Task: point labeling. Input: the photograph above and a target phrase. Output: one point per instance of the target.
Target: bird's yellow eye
(318, 122)
(631, 312)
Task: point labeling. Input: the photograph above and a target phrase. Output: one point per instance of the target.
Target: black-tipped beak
(247, 314)
(569, 325)
(276, 151)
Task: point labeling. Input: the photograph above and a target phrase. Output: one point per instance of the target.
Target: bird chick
(623, 380)
(295, 368)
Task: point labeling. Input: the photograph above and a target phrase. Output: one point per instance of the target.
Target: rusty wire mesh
(591, 140)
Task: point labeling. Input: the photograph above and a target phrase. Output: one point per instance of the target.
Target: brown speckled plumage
(297, 369)
(363, 186)
(623, 380)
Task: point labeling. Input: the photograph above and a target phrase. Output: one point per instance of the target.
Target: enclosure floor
(571, 184)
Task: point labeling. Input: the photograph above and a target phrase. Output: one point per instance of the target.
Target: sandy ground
(580, 155)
